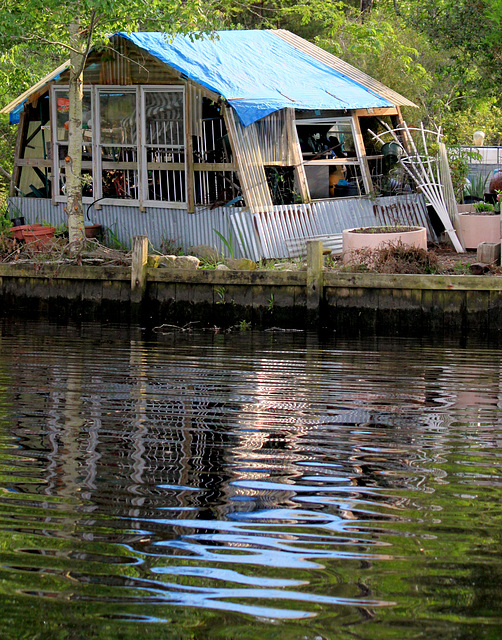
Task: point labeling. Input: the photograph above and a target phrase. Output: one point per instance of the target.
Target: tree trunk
(73, 161)
(366, 7)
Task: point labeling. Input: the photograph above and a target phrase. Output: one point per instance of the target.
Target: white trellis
(429, 172)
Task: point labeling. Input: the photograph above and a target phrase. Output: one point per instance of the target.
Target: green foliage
(484, 207)
(477, 186)
(228, 242)
(458, 159)
(171, 247)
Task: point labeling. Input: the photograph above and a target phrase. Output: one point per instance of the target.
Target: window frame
(97, 161)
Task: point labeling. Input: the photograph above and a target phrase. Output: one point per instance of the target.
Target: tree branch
(44, 40)
(5, 173)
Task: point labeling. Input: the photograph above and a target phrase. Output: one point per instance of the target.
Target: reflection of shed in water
(246, 121)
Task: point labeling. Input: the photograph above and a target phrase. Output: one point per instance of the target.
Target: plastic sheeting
(257, 72)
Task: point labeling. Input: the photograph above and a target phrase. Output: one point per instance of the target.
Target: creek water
(250, 485)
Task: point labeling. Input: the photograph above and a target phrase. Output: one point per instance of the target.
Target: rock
(222, 267)
(161, 261)
(242, 264)
(479, 268)
(205, 252)
(186, 262)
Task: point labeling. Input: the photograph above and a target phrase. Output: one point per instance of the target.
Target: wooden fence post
(138, 268)
(314, 278)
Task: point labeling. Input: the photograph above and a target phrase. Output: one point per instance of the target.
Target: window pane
(118, 118)
(164, 118)
(63, 112)
(119, 173)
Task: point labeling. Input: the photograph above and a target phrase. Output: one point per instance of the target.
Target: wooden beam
(376, 111)
(34, 162)
(214, 166)
(189, 175)
(361, 154)
(21, 135)
(296, 156)
(138, 267)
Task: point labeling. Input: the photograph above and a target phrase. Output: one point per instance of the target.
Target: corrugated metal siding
(344, 67)
(247, 154)
(264, 234)
(272, 138)
(160, 225)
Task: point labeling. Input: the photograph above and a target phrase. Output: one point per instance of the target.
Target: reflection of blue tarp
(258, 72)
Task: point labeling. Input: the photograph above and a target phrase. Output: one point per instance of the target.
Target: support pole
(138, 268)
(314, 279)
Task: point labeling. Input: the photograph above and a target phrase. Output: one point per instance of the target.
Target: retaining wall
(385, 304)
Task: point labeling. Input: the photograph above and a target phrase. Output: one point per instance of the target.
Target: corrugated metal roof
(344, 67)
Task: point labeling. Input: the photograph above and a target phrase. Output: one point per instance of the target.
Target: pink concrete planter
(409, 237)
(478, 228)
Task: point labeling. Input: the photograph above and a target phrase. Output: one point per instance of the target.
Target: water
(250, 486)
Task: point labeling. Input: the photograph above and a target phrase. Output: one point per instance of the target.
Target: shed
(245, 120)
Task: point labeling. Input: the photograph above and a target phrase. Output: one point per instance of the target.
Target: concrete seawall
(369, 303)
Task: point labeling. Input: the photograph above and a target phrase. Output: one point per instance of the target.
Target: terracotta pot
(92, 230)
(17, 232)
(353, 241)
(478, 228)
(40, 237)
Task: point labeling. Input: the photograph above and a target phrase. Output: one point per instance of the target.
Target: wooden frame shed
(250, 119)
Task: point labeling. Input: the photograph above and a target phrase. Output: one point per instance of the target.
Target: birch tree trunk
(73, 161)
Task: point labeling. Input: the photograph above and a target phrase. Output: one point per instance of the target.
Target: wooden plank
(214, 166)
(138, 267)
(361, 154)
(314, 274)
(16, 171)
(411, 281)
(376, 111)
(34, 162)
(162, 166)
(296, 157)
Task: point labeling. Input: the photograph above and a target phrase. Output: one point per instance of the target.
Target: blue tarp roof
(258, 72)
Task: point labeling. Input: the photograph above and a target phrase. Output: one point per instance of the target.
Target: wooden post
(18, 151)
(189, 176)
(361, 156)
(314, 277)
(138, 268)
(295, 155)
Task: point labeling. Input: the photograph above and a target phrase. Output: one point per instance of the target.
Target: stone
(162, 261)
(241, 264)
(205, 252)
(222, 267)
(479, 268)
(186, 262)
(159, 261)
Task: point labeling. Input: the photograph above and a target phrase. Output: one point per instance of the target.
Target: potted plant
(481, 223)
(380, 236)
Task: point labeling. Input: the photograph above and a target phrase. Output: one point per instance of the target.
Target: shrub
(394, 258)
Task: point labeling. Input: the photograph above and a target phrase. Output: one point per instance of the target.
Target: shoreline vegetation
(394, 258)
